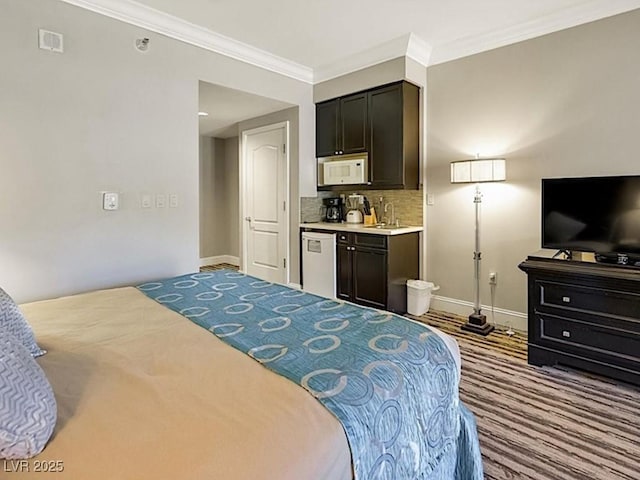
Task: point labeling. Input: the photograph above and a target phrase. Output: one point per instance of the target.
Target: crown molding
(567, 18)
(154, 20)
(419, 50)
(409, 45)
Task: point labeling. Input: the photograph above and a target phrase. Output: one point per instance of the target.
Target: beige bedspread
(144, 393)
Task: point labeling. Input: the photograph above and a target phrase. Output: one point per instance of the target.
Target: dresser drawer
(370, 240)
(583, 336)
(604, 302)
(344, 237)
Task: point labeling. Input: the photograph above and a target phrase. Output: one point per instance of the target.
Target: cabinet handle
(566, 333)
(566, 299)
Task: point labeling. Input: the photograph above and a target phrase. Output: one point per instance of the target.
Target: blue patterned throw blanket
(390, 381)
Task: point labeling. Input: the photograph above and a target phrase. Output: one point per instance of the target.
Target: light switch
(173, 200)
(110, 201)
(431, 199)
(161, 200)
(145, 201)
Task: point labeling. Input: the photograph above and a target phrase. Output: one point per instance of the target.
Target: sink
(386, 227)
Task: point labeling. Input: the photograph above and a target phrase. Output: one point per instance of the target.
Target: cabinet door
(327, 128)
(353, 116)
(385, 151)
(370, 277)
(344, 271)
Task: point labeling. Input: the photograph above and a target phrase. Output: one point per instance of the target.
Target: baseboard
(499, 317)
(297, 286)
(230, 259)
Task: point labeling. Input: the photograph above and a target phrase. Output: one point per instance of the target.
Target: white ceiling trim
(419, 50)
(154, 20)
(408, 45)
(567, 18)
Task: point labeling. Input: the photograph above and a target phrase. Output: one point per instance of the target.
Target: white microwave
(344, 171)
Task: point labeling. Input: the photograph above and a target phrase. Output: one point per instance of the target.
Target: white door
(265, 193)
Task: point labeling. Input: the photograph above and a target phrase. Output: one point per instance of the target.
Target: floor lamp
(478, 171)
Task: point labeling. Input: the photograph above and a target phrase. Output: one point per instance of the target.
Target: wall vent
(51, 41)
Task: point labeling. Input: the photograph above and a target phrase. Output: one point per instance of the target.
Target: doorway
(224, 114)
(264, 184)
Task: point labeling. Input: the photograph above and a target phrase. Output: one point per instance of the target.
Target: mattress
(134, 401)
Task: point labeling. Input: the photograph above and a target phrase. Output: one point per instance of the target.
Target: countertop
(361, 228)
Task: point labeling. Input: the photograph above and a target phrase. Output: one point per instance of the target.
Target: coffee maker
(333, 211)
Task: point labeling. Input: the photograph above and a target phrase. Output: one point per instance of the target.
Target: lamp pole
(477, 255)
(477, 321)
(476, 171)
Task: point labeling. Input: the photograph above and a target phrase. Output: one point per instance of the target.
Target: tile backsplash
(408, 204)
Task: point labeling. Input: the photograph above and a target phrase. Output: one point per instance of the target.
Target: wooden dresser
(584, 315)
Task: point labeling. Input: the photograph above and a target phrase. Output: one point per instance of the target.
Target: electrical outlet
(493, 278)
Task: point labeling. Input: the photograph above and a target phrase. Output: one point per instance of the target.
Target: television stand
(584, 315)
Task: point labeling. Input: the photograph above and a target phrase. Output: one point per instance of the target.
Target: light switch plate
(161, 200)
(146, 201)
(173, 200)
(110, 201)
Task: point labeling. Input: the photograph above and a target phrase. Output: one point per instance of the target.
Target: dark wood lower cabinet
(373, 270)
(370, 277)
(584, 315)
(344, 271)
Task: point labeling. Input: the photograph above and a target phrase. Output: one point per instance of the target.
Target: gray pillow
(13, 322)
(27, 404)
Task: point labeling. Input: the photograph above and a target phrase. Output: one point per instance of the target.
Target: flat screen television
(592, 214)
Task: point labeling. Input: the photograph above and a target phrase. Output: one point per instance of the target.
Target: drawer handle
(566, 333)
(566, 299)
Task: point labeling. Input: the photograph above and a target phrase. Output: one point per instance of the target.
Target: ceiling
(316, 40)
(319, 33)
(226, 107)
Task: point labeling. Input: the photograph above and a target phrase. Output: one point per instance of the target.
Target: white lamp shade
(481, 170)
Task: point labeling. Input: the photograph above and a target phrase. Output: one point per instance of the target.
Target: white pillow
(13, 322)
(27, 404)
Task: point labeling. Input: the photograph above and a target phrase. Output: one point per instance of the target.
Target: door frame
(243, 190)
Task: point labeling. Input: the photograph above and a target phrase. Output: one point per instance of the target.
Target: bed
(144, 391)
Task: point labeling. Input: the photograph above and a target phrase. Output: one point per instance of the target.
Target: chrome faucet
(391, 220)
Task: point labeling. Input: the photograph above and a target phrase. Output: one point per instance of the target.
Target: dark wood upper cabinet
(394, 136)
(327, 128)
(341, 126)
(385, 122)
(353, 123)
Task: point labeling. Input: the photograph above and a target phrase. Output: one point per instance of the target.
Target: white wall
(566, 104)
(219, 191)
(219, 213)
(103, 116)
